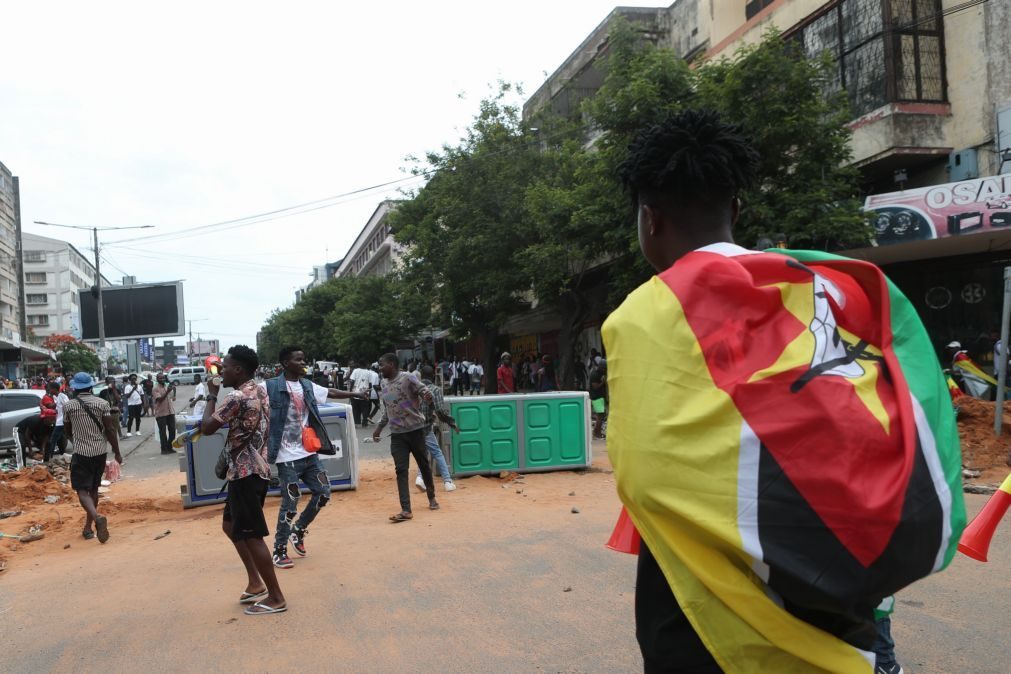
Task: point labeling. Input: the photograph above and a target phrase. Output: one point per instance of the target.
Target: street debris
(568, 589)
(979, 488)
(161, 536)
(9, 513)
(572, 493)
(575, 510)
(52, 499)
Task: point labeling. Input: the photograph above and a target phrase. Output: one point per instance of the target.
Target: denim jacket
(277, 393)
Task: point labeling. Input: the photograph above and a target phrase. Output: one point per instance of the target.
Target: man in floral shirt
(246, 411)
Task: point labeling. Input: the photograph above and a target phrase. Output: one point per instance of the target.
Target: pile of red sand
(29, 487)
(981, 449)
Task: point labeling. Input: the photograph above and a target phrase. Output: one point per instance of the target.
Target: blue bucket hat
(81, 381)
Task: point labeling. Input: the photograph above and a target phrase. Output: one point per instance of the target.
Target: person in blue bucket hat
(89, 424)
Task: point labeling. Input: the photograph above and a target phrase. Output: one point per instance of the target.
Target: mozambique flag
(782, 438)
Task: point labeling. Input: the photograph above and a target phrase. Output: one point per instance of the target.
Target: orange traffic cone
(975, 540)
(625, 537)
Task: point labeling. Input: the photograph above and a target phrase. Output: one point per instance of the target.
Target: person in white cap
(89, 423)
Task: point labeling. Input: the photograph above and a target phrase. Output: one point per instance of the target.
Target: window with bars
(36, 298)
(883, 50)
(41, 319)
(35, 256)
(35, 278)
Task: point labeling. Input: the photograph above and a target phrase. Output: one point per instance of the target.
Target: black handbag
(221, 467)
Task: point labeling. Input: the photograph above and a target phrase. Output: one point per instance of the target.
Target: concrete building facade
(54, 272)
(11, 330)
(373, 252)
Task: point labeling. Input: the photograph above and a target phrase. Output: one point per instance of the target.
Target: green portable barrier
(520, 432)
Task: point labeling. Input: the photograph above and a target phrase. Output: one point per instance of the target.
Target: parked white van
(183, 374)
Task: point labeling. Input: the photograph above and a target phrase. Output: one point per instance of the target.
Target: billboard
(940, 211)
(203, 347)
(131, 312)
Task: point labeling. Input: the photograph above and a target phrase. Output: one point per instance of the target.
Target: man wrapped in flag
(781, 434)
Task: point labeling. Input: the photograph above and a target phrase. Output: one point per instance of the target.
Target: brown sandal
(401, 517)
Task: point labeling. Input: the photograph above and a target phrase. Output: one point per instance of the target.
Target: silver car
(15, 405)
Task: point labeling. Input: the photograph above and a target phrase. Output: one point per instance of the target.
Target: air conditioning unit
(963, 165)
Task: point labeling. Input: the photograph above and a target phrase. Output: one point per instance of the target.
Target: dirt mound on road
(29, 487)
(981, 449)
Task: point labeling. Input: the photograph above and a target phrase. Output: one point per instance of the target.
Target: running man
(436, 410)
(294, 407)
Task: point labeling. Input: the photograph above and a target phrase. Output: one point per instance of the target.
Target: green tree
(357, 317)
(807, 188)
(76, 356)
(373, 313)
(463, 229)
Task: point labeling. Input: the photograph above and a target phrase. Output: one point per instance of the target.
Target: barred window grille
(883, 50)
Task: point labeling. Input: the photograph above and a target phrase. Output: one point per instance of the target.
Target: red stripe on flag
(828, 443)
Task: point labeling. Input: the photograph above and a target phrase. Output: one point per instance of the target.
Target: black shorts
(86, 472)
(244, 508)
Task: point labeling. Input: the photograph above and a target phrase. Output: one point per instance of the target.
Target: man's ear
(654, 223)
(735, 210)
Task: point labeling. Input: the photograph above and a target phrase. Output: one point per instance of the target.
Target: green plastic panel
(554, 432)
(488, 440)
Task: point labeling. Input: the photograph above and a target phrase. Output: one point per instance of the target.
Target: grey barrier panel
(204, 488)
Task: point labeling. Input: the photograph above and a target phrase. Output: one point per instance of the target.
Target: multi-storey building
(11, 329)
(374, 252)
(54, 272)
(929, 89)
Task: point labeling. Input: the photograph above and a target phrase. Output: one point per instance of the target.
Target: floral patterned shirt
(246, 410)
(402, 403)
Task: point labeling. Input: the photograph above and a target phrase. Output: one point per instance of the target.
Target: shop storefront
(946, 247)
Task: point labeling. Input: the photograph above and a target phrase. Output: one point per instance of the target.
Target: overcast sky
(190, 113)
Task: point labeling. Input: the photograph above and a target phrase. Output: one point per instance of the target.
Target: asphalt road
(951, 622)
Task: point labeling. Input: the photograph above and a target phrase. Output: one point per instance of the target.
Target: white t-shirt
(201, 390)
(361, 380)
(291, 440)
(135, 394)
(60, 401)
(476, 371)
(375, 381)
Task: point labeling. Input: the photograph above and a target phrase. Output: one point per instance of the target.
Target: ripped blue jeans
(311, 473)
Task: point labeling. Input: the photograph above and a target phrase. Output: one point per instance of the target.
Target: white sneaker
(420, 482)
(450, 486)
(129, 435)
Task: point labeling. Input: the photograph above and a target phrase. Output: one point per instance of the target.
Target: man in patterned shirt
(246, 411)
(402, 396)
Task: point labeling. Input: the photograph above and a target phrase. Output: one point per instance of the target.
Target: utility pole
(101, 308)
(98, 281)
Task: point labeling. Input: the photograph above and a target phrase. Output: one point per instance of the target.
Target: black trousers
(359, 409)
(373, 408)
(134, 411)
(667, 640)
(458, 387)
(402, 446)
(166, 431)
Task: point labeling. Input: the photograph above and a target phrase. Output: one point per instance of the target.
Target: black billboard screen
(148, 310)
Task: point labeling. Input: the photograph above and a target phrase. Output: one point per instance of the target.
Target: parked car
(15, 405)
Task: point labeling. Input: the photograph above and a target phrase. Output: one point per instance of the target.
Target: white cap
(955, 345)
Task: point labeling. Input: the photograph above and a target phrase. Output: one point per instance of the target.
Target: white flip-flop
(252, 598)
(264, 609)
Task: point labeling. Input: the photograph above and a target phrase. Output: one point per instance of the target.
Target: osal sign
(952, 209)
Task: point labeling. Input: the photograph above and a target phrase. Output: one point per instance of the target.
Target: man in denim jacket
(294, 405)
